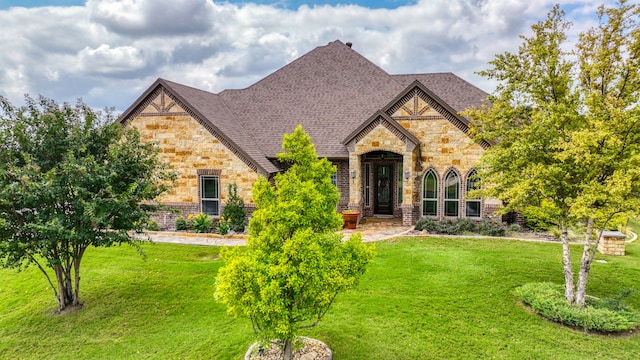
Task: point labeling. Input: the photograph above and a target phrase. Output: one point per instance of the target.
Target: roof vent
(349, 44)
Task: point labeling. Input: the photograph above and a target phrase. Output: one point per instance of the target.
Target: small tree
(295, 263)
(70, 178)
(234, 211)
(565, 127)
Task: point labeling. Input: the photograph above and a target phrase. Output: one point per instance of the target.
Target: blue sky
(108, 52)
(291, 4)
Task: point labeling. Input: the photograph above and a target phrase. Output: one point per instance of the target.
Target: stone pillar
(355, 182)
(612, 243)
(408, 183)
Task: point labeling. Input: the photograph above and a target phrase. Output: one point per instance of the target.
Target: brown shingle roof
(332, 90)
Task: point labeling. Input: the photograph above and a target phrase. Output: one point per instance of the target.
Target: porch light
(407, 173)
(353, 174)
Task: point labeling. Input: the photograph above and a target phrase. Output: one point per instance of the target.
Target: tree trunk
(288, 350)
(569, 292)
(62, 304)
(585, 265)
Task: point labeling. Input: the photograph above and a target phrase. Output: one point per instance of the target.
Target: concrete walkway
(373, 229)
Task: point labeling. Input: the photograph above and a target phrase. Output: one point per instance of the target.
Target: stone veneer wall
(612, 243)
(444, 147)
(190, 148)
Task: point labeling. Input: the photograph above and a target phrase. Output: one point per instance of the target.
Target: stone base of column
(409, 214)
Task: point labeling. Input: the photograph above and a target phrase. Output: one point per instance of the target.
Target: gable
(392, 136)
(165, 98)
(419, 103)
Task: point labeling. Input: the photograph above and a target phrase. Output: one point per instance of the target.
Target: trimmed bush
(460, 226)
(600, 315)
(152, 225)
(181, 223)
(490, 228)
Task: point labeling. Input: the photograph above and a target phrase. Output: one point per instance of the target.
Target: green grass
(428, 298)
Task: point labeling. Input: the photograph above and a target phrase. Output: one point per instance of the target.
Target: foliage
(234, 211)
(295, 263)
(71, 178)
(223, 226)
(152, 225)
(565, 127)
(181, 223)
(200, 222)
(461, 226)
(540, 218)
(606, 315)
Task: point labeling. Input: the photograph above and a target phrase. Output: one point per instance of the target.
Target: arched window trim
(451, 203)
(473, 206)
(430, 204)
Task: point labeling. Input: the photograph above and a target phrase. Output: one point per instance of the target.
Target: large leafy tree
(295, 263)
(70, 178)
(564, 124)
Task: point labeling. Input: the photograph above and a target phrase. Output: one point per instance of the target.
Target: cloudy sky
(108, 52)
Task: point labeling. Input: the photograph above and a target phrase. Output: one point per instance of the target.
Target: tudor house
(399, 142)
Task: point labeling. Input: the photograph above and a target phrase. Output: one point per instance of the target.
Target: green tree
(70, 178)
(295, 262)
(564, 127)
(234, 211)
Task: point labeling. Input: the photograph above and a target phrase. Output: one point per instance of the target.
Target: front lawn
(422, 298)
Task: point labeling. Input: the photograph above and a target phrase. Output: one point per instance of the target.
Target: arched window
(430, 194)
(473, 205)
(451, 194)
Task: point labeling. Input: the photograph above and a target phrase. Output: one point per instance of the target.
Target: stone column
(612, 243)
(355, 182)
(408, 185)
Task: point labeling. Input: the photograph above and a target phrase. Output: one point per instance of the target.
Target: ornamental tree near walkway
(295, 263)
(565, 124)
(70, 178)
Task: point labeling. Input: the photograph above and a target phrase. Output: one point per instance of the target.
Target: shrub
(223, 226)
(490, 228)
(539, 218)
(427, 224)
(234, 211)
(459, 226)
(181, 223)
(200, 223)
(548, 300)
(152, 225)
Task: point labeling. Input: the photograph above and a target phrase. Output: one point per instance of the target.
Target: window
(451, 193)
(367, 184)
(399, 183)
(210, 195)
(334, 179)
(473, 205)
(430, 194)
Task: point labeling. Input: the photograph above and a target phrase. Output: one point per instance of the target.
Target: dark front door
(383, 194)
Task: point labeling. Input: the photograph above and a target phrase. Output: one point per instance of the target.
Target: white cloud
(106, 60)
(152, 17)
(109, 51)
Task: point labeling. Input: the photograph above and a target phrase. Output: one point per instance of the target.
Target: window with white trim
(210, 194)
(451, 194)
(473, 205)
(430, 194)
